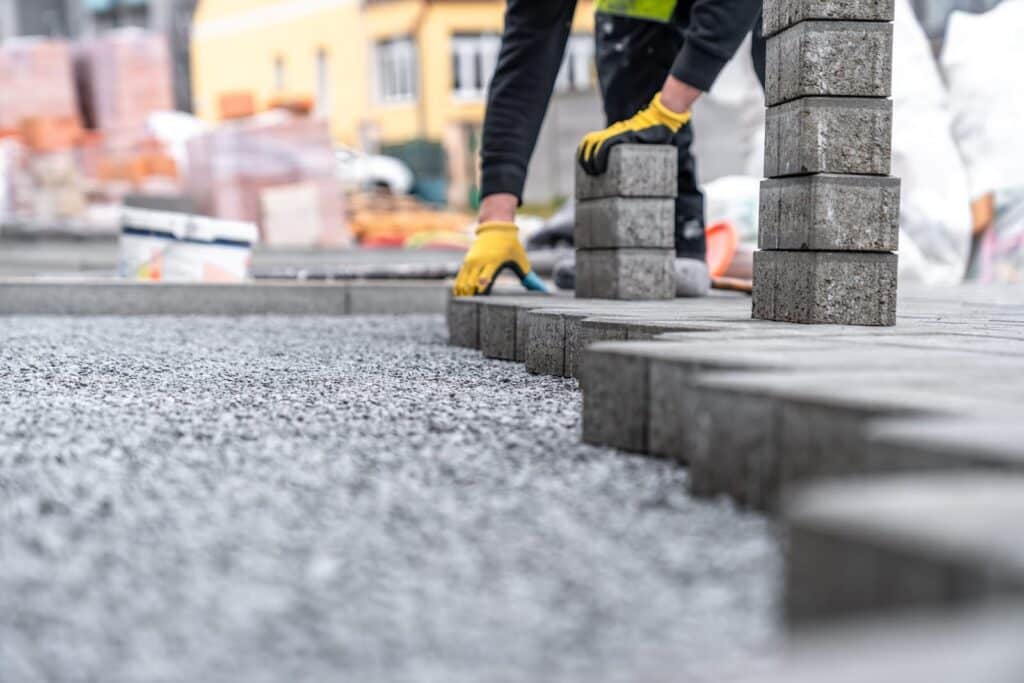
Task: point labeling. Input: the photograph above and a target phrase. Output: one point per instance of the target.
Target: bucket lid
(213, 229)
(168, 222)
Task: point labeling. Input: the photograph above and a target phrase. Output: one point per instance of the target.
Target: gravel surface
(319, 499)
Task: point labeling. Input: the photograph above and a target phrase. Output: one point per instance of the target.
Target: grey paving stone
(582, 332)
(918, 645)
(818, 287)
(498, 330)
(616, 222)
(464, 322)
(829, 59)
(545, 345)
(615, 395)
(990, 442)
(625, 274)
(781, 14)
(633, 171)
(387, 298)
(845, 135)
(830, 213)
(912, 540)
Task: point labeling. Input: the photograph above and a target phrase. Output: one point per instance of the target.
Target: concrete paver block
(824, 287)
(498, 330)
(830, 213)
(581, 333)
(386, 298)
(781, 14)
(545, 345)
(628, 274)
(911, 540)
(829, 58)
(633, 171)
(829, 135)
(615, 397)
(616, 222)
(464, 322)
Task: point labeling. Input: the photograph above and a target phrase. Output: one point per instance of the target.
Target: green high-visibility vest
(654, 10)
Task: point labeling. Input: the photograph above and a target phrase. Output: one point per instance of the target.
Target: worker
(654, 60)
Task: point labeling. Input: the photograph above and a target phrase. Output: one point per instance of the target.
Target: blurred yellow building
(382, 71)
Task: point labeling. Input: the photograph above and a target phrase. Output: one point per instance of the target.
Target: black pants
(634, 58)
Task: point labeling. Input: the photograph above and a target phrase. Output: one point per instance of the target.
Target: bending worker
(654, 60)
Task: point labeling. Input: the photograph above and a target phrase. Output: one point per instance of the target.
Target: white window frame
(395, 65)
(474, 59)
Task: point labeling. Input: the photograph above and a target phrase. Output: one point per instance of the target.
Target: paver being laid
(912, 540)
(302, 498)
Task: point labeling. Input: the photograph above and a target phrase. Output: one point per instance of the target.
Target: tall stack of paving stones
(829, 209)
(624, 232)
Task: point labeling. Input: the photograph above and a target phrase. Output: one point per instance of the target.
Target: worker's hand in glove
(654, 125)
(496, 247)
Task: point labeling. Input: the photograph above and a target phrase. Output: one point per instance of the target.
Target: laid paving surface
(269, 499)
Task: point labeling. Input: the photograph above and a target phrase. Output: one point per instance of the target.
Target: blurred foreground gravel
(347, 499)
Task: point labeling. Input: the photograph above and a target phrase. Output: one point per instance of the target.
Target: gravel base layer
(315, 499)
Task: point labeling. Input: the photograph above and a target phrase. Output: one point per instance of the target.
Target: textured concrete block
(498, 328)
(581, 333)
(829, 135)
(633, 171)
(904, 541)
(781, 14)
(824, 287)
(829, 58)
(830, 213)
(615, 396)
(545, 345)
(617, 222)
(464, 322)
(627, 274)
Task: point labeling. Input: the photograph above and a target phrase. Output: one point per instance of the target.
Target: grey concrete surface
(108, 296)
(270, 499)
(830, 213)
(617, 222)
(781, 14)
(829, 59)
(829, 135)
(633, 171)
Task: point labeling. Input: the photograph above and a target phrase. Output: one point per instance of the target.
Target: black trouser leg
(633, 59)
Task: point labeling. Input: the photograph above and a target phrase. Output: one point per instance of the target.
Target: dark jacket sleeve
(716, 30)
(532, 48)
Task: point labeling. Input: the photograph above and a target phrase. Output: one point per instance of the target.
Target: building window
(323, 83)
(576, 73)
(474, 58)
(396, 70)
(279, 75)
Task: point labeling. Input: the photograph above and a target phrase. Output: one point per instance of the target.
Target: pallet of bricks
(39, 127)
(125, 76)
(277, 170)
(829, 218)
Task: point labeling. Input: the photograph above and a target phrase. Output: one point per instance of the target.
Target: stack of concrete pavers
(829, 210)
(625, 218)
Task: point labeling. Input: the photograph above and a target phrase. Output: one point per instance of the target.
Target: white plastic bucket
(211, 250)
(145, 238)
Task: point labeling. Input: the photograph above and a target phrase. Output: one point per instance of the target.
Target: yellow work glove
(654, 125)
(496, 247)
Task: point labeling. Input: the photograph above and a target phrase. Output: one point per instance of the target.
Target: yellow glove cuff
(672, 119)
(496, 226)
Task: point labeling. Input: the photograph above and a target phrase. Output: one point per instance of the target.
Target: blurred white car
(359, 171)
